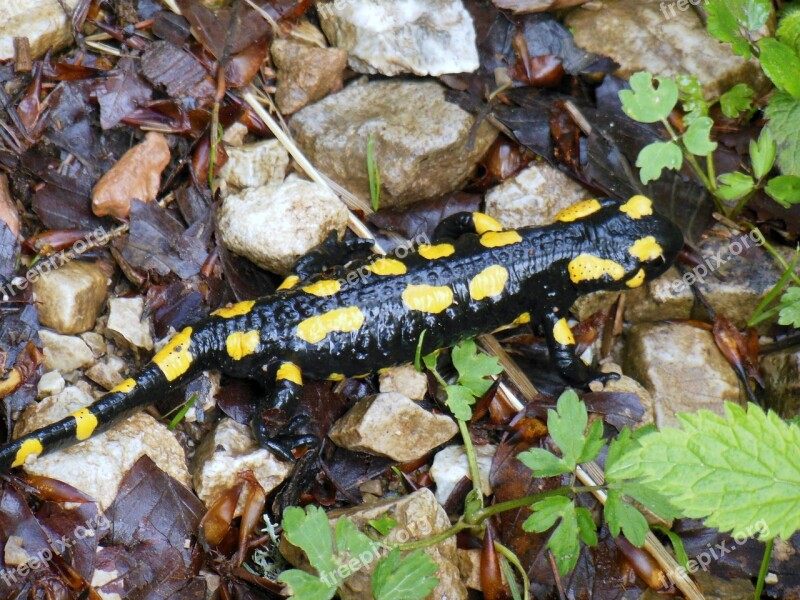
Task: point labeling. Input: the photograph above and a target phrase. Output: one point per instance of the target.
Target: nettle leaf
(543, 463)
(697, 137)
(783, 113)
(735, 186)
(789, 28)
(762, 153)
(398, 577)
(657, 156)
(790, 307)
(459, 401)
(740, 472)
(737, 99)
(624, 517)
(474, 366)
(781, 64)
(646, 103)
(784, 189)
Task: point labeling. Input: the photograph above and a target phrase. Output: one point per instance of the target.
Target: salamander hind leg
(331, 253)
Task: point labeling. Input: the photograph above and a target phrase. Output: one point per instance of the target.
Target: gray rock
(107, 373)
(781, 371)
(44, 22)
(254, 165)
(533, 197)
(639, 37)
(96, 466)
(70, 298)
(305, 73)
(681, 367)
(276, 224)
(406, 380)
(420, 139)
(425, 37)
(450, 466)
(418, 516)
(125, 323)
(64, 353)
(228, 450)
(389, 424)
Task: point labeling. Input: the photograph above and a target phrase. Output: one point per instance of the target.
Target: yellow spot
(522, 319)
(240, 344)
(497, 239)
(637, 207)
(488, 283)
(578, 211)
(436, 251)
(563, 334)
(174, 358)
(85, 423)
(428, 298)
(290, 372)
(387, 266)
(323, 287)
(587, 267)
(235, 310)
(289, 282)
(646, 249)
(636, 280)
(314, 329)
(335, 377)
(484, 223)
(383, 370)
(125, 387)
(30, 447)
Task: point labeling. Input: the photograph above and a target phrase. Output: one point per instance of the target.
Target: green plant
(374, 174)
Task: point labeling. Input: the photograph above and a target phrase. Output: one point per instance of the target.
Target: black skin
(538, 283)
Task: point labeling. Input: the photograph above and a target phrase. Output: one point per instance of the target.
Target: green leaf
(783, 112)
(594, 442)
(789, 28)
(726, 18)
(310, 532)
(586, 526)
(404, 578)
(566, 425)
(657, 156)
(563, 542)
(740, 472)
(652, 500)
(352, 543)
(545, 513)
(622, 516)
(306, 587)
(762, 153)
(646, 103)
(474, 366)
(790, 307)
(690, 92)
(677, 546)
(735, 186)
(430, 360)
(697, 138)
(459, 401)
(737, 99)
(784, 189)
(418, 351)
(543, 463)
(384, 524)
(781, 65)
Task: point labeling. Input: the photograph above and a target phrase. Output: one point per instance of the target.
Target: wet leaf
(123, 90)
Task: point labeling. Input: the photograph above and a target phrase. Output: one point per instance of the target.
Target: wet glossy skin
(473, 279)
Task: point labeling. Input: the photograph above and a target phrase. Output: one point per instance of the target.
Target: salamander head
(625, 243)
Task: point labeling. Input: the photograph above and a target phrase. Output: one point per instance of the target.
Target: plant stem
(481, 515)
(435, 539)
(762, 572)
(472, 460)
(712, 176)
(512, 558)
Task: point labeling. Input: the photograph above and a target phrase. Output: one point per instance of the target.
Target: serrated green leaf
(646, 103)
(784, 189)
(735, 186)
(622, 516)
(398, 577)
(306, 587)
(789, 28)
(474, 366)
(460, 401)
(657, 156)
(563, 542)
(697, 137)
(790, 308)
(310, 531)
(543, 463)
(566, 426)
(783, 113)
(737, 99)
(586, 526)
(781, 65)
(652, 500)
(384, 524)
(594, 442)
(350, 542)
(690, 92)
(545, 513)
(762, 153)
(723, 24)
(740, 472)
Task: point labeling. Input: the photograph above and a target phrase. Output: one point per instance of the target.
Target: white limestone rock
(44, 22)
(406, 380)
(450, 466)
(125, 324)
(64, 353)
(254, 165)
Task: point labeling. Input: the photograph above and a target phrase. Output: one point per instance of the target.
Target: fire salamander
(329, 322)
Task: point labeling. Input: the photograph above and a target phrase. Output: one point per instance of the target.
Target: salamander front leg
(272, 424)
(562, 346)
(460, 223)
